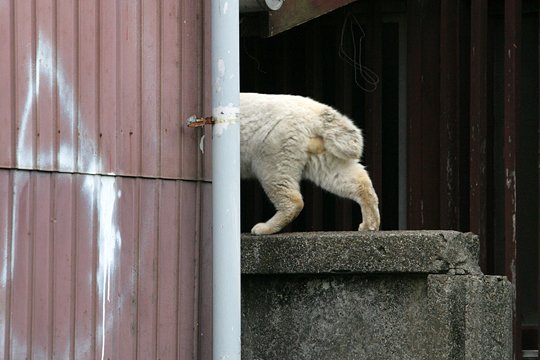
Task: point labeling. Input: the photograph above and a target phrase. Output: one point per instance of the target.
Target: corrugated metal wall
(451, 131)
(104, 193)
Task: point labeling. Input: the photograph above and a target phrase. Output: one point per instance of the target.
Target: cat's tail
(341, 137)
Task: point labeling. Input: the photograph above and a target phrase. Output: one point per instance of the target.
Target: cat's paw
(262, 229)
(369, 226)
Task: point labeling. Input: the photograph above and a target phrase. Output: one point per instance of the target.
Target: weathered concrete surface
(416, 296)
(426, 252)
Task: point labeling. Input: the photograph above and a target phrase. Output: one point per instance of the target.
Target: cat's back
(254, 106)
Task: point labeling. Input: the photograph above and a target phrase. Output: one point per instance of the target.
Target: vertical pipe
(226, 179)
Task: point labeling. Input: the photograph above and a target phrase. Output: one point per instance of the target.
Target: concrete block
(341, 296)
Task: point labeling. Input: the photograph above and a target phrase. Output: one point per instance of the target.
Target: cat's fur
(287, 138)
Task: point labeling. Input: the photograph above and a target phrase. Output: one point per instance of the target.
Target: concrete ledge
(421, 252)
(375, 295)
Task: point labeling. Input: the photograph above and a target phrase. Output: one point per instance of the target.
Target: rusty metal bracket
(194, 121)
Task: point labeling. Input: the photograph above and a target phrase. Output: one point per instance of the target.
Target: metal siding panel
(204, 314)
(191, 52)
(147, 272)
(46, 85)
(167, 268)
(81, 78)
(60, 305)
(189, 220)
(6, 187)
(66, 80)
(150, 86)
(7, 93)
(88, 87)
(21, 256)
(129, 86)
(108, 81)
(105, 86)
(85, 259)
(24, 91)
(170, 83)
(126, 310)
(42, 279)
(206, 98)
(62, 272)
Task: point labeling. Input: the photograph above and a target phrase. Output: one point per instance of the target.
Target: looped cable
(361, 72)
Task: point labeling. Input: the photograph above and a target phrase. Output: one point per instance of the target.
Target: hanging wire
(252, 57)
(365, 78)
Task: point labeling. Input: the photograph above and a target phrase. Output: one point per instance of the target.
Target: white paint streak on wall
(109, 243)
(24, 147)
(89, 161)
(109, 237)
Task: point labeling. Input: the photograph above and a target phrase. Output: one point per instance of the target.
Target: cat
(286, 138)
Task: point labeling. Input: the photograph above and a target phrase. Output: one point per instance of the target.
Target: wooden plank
(512, 116)
(373, 141)
(343, 101)
(422, 107)
(449, 120)
(478, 175)
(313, 212)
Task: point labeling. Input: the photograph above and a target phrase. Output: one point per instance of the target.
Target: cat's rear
(285, 138)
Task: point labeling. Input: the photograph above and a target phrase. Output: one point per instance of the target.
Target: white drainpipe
(226, 179)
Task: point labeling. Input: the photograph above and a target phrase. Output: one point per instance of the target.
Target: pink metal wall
(104, 193)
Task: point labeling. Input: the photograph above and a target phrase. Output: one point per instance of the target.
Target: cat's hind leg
(350, 180)
(285, 194)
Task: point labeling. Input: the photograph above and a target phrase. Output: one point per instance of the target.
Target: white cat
(286, 138)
